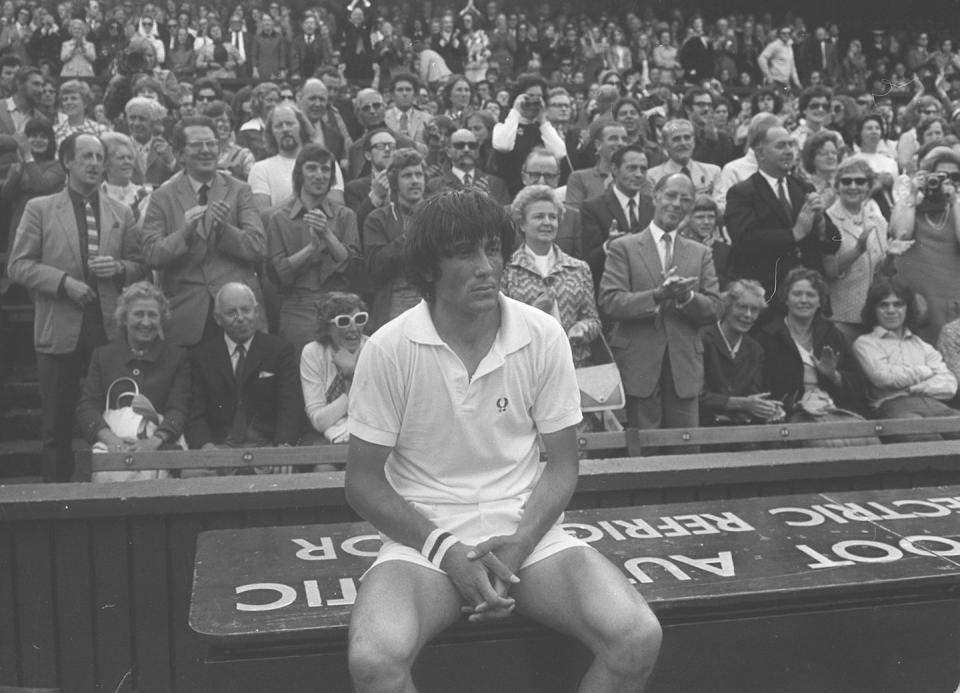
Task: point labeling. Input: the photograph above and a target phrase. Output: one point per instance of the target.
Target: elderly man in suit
(463, 173)
(403, 117)
(245, 383)
(154, 159)
(624, 207)
(74, 250)
(660, 288)
(679, 139)
(201, 231)
(775, 220)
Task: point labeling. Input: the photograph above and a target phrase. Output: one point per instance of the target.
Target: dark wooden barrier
(95, 578)
(275, 594)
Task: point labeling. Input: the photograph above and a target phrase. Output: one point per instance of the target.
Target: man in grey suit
(74, 250)
(201, 231)
(660, 289)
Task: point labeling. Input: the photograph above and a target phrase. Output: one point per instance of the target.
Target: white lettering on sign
(855, 551)
(311, 552)
(720, 565)
(668, 526)
(288, 596)
(871, 511)
(349, 545)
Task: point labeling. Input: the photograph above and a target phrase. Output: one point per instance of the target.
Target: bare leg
(580, 593)
(400, 607)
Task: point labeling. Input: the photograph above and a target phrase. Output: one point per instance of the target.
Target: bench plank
(76, 608)
(770, 555)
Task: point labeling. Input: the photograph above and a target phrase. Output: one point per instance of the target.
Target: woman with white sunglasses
(327, 364)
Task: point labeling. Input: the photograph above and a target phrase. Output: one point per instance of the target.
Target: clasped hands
(484, 574)
(213, 216)
(674, 287)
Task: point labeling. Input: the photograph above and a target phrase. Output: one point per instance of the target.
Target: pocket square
(265, 374)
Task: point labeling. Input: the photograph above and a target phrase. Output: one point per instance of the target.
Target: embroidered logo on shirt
(502, 404)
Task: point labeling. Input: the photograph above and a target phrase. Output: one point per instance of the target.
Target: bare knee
(377, 665)
(631, 643)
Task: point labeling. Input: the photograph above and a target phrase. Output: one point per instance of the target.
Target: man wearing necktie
(679, 139)
(309, 50)
(245, 383)
(403, 116)
(74, 250)
(660, 288)
(775, 220)
(201, 231)
(241, 41)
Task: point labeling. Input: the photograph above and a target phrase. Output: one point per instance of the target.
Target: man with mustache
(271, 180)
(464, 174)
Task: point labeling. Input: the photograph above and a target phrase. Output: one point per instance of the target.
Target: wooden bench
(629, 443)
(854, 591)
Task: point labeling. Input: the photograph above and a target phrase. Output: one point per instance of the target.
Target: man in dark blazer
(775, 221)
(309, 50)
(660, 288)
(696, 56)
(365, 194)
(608, 216)
(463, 172)
(245, 383)
(242, 40)
(201, 230)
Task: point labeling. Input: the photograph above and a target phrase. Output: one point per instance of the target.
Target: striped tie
(93, 232)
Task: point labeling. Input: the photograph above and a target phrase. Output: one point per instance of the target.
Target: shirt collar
(196, 185)
(79, 199)
(772, 181)
(883, 333)
(512, 335)
(460, 173)
(232, 345)
(623, 199)
(659, 233)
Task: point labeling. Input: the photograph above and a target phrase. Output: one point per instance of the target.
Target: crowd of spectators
(761, 218)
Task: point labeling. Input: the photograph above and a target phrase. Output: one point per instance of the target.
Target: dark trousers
(59, 377)
(664, 408)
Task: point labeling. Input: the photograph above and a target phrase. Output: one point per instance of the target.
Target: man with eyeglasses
(542, 168)
(814, 104)
(712, 146)
(777, 63)
(463, 174)
(245, 383)
(201, 231)
(559, 115)
(369, 192)
(370, 110)
(660, 288)
(624, 208)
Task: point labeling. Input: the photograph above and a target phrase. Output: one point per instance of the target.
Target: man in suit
(660, 288)
(696, 55)
(464, 174)
(74, 250)
(325, 119)
(154, 159)
(243, 41)
(309, 50)
(680, 141)
(365, 194)
(775, 220)
(822, 56)
(245, 383)
(201, 231)
(623, 208)
(370, 109)
(542, 168)
(403, 117)
(711, 146)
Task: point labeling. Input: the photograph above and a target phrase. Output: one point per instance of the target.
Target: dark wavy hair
(40, 126)
(442, 222)
(311, 152)
(879, 290)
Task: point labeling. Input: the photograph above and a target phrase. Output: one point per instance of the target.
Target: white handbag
(124, 422)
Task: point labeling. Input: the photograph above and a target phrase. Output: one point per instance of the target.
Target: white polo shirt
(455, 439)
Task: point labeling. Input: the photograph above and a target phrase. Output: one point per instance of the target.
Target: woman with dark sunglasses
(865, 251)
(327, 363)
(930, 216)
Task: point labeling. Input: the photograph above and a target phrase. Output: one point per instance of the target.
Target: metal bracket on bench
(128, 461)
(784, 432)
(878, 428)
(247, 457)
(685, 436)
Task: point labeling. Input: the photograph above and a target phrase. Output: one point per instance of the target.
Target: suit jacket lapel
(616, 211)
(66, 218)
(648, 253)
(108, 223)
(766, 192)
(254, 357)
